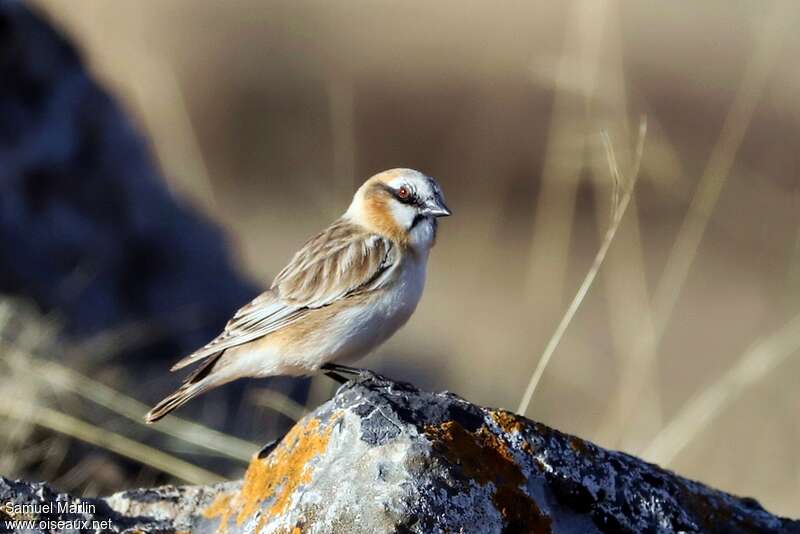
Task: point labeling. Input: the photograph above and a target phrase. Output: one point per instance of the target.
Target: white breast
(367, 326)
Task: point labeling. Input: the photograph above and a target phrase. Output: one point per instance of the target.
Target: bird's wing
(341, 261)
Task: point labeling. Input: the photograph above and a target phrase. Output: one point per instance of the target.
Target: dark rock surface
(35, 508)
(382, 456)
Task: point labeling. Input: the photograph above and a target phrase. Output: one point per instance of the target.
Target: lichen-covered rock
(384, 457)
(176, 509)
(34, 508)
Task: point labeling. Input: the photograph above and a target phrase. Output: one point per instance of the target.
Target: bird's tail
(200, 381)
(181, 396)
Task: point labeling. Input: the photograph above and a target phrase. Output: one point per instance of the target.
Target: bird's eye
(403, 193)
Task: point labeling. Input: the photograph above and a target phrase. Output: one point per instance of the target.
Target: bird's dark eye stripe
(411, 199)
(414, 200)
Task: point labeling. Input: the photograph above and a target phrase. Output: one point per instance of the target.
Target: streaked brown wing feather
(341, 261)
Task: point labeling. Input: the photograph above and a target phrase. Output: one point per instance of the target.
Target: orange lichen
(484, 458)
(275, 477)
(578, 445)
(507, 421)
(221, 507)
(511, 423)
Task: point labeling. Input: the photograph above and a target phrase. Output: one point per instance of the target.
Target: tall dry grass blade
(628, 303)
(627, 295)
(79, 429)
(555, 339)
(700, 411)
(616, 186)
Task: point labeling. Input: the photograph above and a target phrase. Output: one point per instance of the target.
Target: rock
(171, 508)
(383, 456)
(35, 508)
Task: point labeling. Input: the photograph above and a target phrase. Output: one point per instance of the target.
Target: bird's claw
(336, 371)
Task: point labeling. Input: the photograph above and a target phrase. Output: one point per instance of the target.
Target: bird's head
(402, 204)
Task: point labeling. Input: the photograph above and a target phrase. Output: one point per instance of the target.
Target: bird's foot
(342, 369)
(335, 371)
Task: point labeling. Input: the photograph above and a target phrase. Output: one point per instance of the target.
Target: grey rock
(36, 508)
(383, 456)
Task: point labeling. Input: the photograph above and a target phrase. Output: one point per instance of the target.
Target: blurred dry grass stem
(277, 401)
(719, 165)
(618, 214)
(193, 433)
(105, 438)
(701, 410)
(577, 72)
(686, 244)
(24, 335)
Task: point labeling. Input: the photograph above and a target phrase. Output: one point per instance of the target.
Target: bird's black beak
(437, 208)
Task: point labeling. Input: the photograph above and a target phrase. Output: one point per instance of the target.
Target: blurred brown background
(269, 114)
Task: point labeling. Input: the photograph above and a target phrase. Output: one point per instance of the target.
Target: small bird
(346, 291)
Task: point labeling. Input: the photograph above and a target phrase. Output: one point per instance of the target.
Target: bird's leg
(361, 374)
(343, 369)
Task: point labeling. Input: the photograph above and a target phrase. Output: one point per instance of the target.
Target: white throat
(423, 235)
